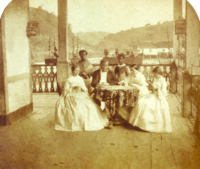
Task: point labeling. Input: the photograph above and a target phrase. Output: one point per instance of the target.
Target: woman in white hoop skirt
(151, 112)
(75, 110)
(138, 80)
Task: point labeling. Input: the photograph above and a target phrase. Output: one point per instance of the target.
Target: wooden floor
(33, 143)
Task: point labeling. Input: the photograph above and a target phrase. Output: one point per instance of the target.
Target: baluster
(49, 78)
(55, 78)
(55, 82)
(145, 72)
(34, 75)
(46, 79)
(43, 82)
(52, 79)
(151, 77)
(40, 79)
(37, 81)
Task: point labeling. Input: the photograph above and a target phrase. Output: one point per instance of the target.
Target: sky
(111, 15)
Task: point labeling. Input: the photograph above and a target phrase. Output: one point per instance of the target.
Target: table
(116, 97)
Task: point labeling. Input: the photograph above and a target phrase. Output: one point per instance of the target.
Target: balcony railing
(44, 77)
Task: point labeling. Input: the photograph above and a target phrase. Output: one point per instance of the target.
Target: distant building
(155, 49)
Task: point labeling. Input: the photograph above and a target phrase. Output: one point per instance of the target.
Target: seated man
(103, 77)
(86, 69)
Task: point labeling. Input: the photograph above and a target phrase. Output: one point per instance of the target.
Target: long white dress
(76, 111)
(139, 81)
(151, 112)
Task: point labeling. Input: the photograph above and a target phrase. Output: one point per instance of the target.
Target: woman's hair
(157, 70)
(135, 66)
(74, 66)
(81, 51)
(121, 55)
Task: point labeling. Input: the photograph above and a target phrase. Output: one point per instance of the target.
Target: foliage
(130, 39)
(48, 24)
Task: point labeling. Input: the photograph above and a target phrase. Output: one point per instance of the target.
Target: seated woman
(151, 112)
(138, 80)
(75, 110)
(122, 71)
(86, 69)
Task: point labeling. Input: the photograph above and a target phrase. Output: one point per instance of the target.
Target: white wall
(16, 56)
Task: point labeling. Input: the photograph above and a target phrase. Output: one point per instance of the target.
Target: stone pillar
(15, 74)
(63, 62)
(187, 99)
(177, 14)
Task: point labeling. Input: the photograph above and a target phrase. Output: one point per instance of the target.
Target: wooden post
(173, 87)
(187, 91)
(62, 65)
(177, 14)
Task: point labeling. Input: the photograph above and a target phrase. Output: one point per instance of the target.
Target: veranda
(27, 135)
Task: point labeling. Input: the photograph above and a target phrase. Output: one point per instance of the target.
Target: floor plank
(141, 151)
(168, 155)
(33, 143)
(157, 151)
(106, 158)
(124, 154)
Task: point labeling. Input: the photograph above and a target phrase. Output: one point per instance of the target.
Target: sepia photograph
(99, 84)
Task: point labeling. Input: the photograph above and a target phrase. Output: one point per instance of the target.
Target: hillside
(48, 30)
(92, 38)
(130, 39)
(160, 35)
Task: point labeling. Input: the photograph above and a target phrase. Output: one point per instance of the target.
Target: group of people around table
(77, 109)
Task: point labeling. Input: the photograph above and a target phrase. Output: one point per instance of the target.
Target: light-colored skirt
(78, 112)
(151, 113)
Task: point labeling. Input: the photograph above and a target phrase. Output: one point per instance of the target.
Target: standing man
(86, 69)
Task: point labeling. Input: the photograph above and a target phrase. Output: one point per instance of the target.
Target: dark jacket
(111, 78)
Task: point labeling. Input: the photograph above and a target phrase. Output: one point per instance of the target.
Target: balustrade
(44, 77)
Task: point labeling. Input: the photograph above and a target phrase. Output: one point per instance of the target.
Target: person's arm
(94, 79)
(88, 69)
(164, 87)
(116, 71)
(67, 87)
(113, 80)
(83, 87)
(127, 71)
(83, 75)
(143, 81)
